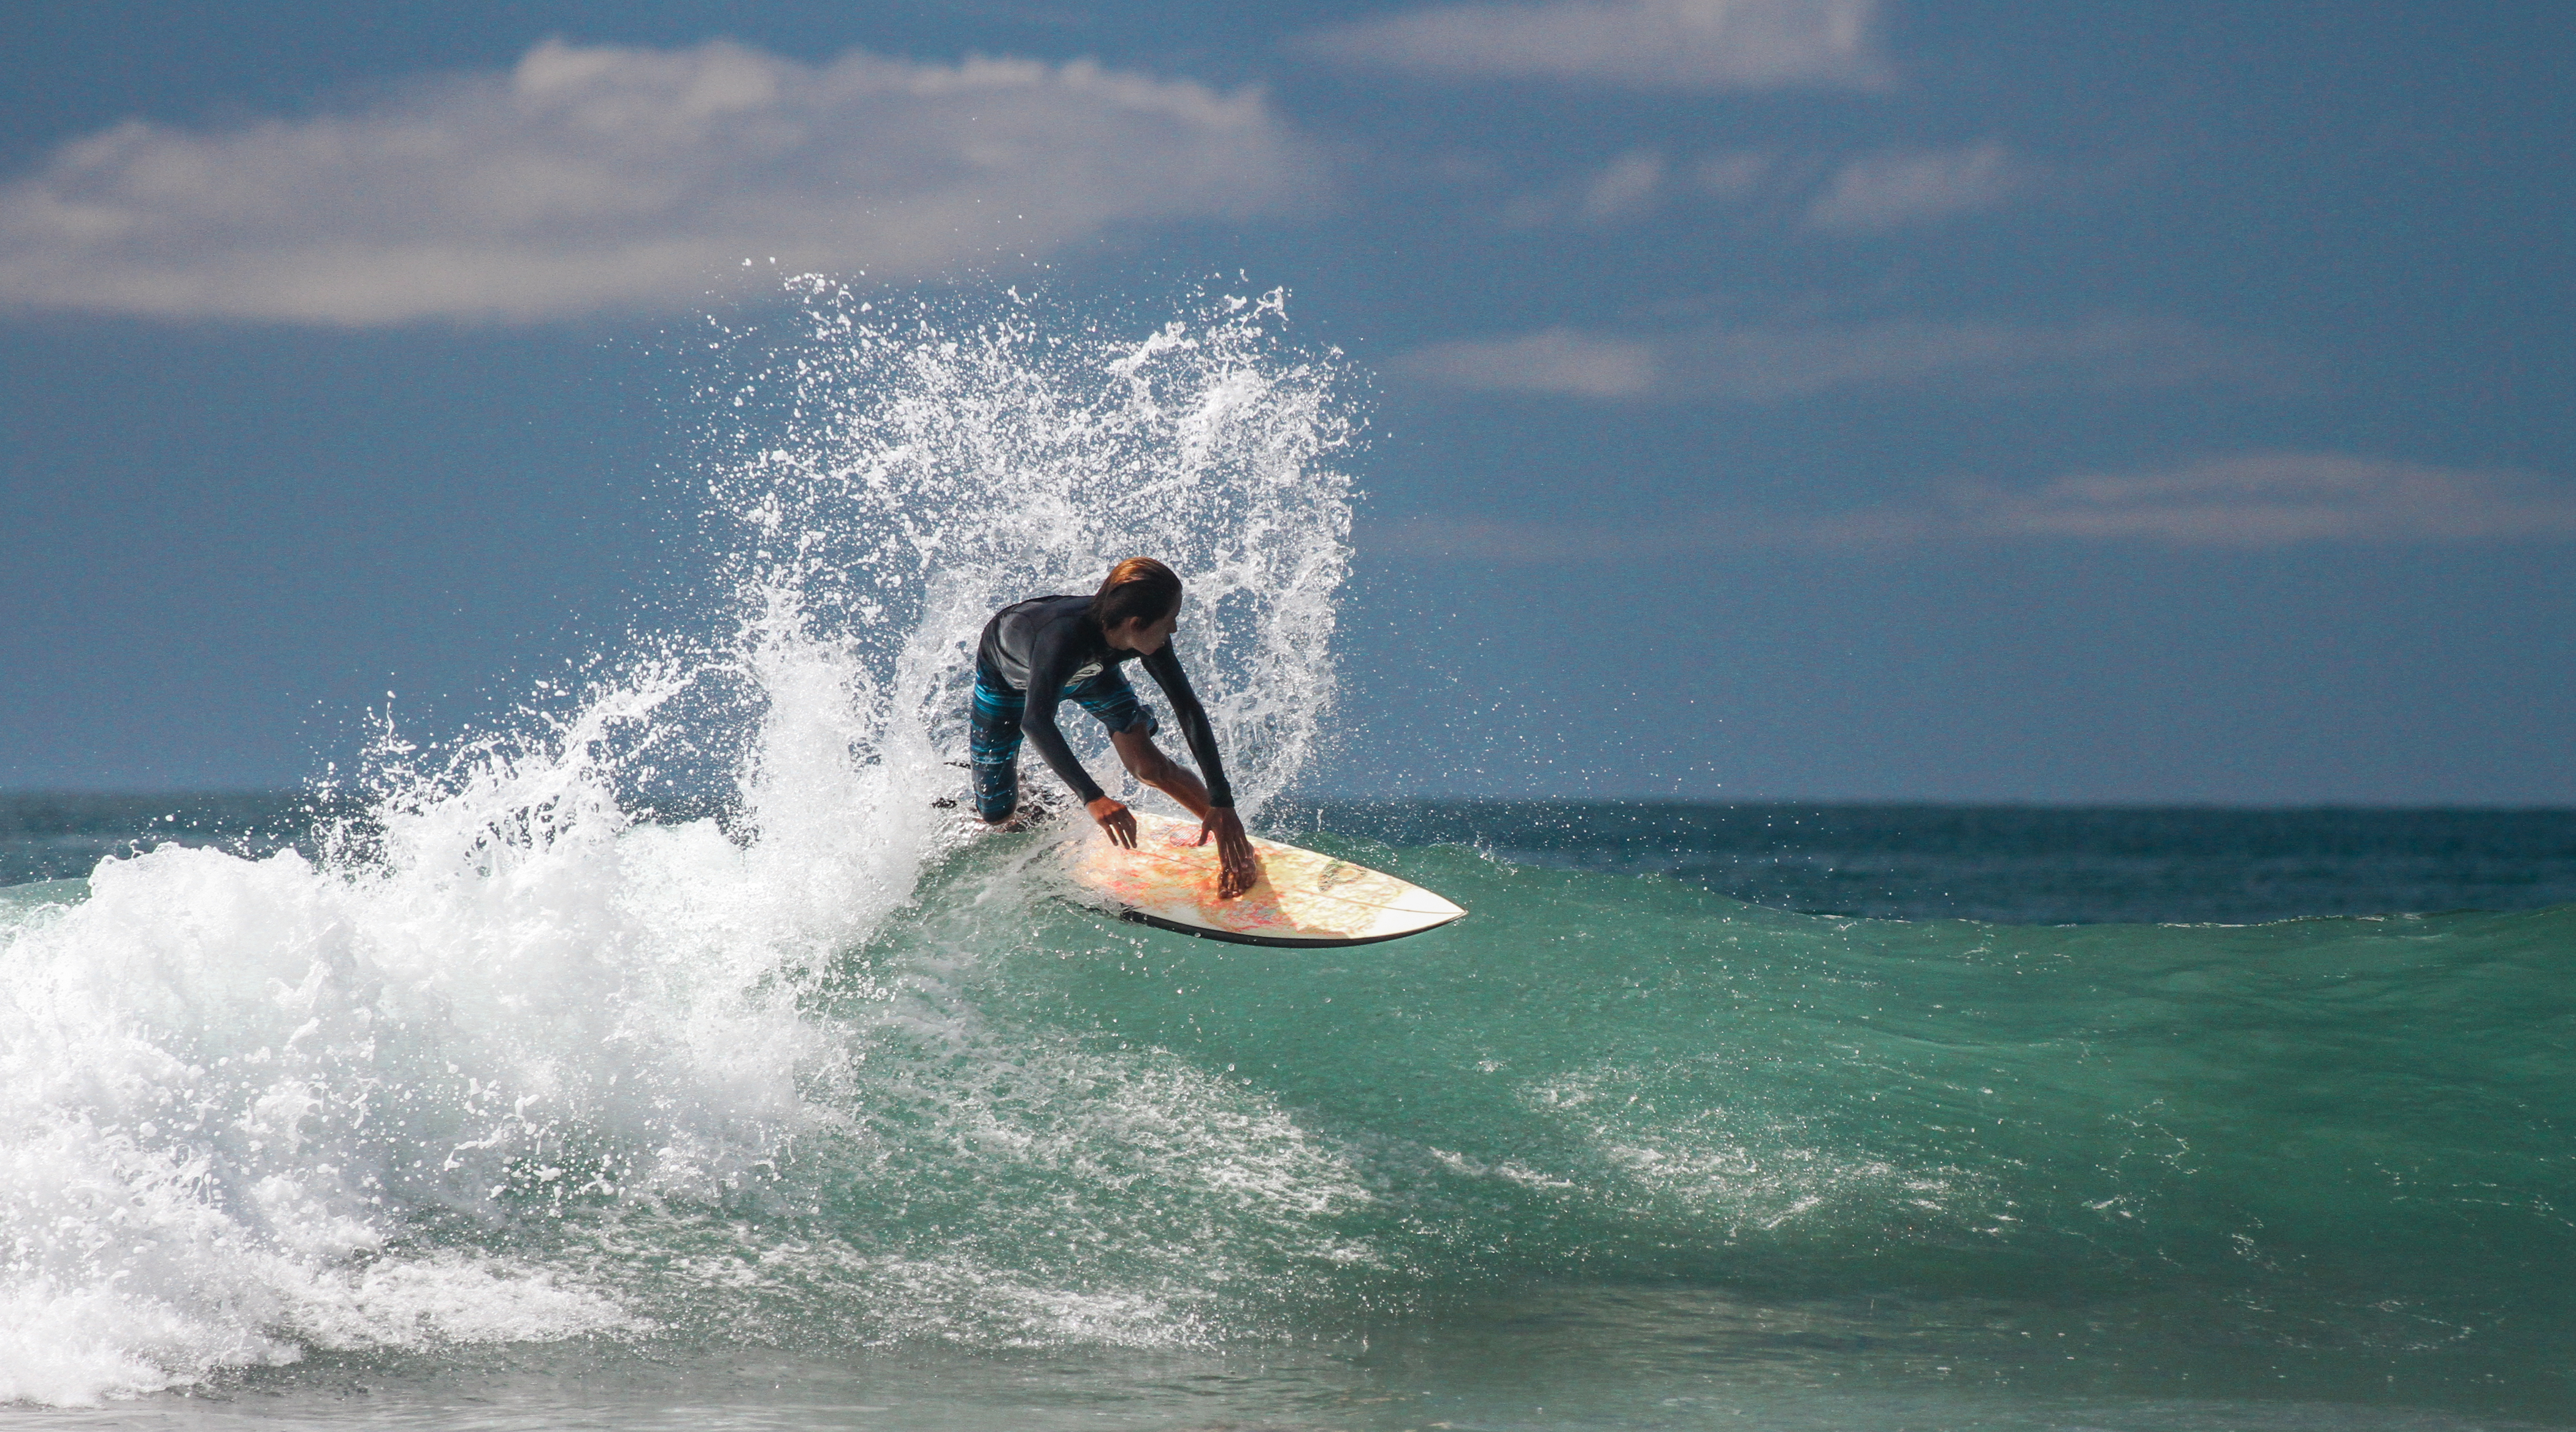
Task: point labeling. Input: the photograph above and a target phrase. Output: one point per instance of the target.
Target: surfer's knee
(997, 790)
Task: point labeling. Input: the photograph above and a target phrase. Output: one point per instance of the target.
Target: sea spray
(505, 1062)
(904, 473)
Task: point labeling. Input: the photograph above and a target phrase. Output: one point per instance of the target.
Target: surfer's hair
(1139, 589)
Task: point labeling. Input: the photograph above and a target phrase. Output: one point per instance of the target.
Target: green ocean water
(2321, 1155)
(1616, 1151)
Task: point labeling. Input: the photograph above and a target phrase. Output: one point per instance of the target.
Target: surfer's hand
(1115, 819)
(1235, 870)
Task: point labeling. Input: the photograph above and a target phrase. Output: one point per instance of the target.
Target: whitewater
(670, 1051)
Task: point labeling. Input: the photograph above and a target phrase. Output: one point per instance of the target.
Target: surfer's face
(1142, 636)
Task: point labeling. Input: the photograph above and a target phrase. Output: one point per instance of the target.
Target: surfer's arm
(1236, 868)
(1049, 664)
(1194, 724)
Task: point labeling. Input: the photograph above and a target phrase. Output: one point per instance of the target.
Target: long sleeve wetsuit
(1046, 646)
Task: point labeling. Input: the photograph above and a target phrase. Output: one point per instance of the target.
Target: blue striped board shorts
(994, 745)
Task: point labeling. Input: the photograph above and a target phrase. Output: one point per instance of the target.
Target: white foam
(250, 1108)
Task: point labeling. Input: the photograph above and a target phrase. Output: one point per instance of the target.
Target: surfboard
(1303, 899)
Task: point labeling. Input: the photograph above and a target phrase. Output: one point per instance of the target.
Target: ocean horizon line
(1304, 799)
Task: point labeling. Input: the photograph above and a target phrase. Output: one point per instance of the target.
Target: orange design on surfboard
(1303, 897)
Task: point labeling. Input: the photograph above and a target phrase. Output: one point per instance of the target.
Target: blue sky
(1795, 398)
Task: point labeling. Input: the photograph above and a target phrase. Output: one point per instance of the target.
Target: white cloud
(2276, 499)
(1635, 185)
(1558, 361)
(592, 179)
(1648, 44)
(1629, 186)
(2243, 501)
(1769, 365)
(1877, 192)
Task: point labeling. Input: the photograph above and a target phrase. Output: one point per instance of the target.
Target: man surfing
(1037, 652)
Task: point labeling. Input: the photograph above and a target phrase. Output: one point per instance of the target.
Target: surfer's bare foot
(1027, 817)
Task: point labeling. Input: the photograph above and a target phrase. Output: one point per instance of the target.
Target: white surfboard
(1303, 898)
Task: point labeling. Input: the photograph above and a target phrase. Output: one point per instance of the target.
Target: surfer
(1037, 652)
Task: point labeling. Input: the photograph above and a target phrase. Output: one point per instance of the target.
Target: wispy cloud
(1729, 175)
(1877, 192)
(1647, 44)
(2276, 499)
(1558, 361)
(1630, 185)
(1769, 365)
(590, 179)
(2244, 501)
(1637, 184)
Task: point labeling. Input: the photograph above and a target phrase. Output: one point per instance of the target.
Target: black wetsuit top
(1045, 644)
